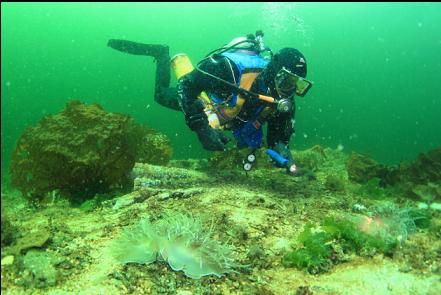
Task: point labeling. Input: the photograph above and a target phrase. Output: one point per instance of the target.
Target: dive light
(277, 157)
(282, 161)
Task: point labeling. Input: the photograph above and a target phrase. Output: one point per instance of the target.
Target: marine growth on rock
(81, 151)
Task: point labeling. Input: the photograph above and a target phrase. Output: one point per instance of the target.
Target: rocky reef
(150, 146)
(81, 151)
(362, 168)
(7, 230)
(426, 168)
(208, 227)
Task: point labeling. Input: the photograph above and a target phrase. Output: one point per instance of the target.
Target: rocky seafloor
(60, 248)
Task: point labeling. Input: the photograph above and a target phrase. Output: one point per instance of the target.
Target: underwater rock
(426, 168)
(181, 194)
(7, 230)
(81, 151)
(149, 176)
(361, 168)
(193, 164)
(144, 182)
(40, 271)
(34, 239)
(7, 260)
(428, 193)
(415, 179)
(143, 194)
(304, 290)
(132, 198)
(310, 159)
(257, 257)
(421, 254)
(150, 146)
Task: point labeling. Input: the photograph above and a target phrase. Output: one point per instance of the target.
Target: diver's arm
(280, 129)
(188, 90)
(193, 83)
(189, 87)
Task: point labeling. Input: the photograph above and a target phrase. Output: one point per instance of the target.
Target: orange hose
(266, 98)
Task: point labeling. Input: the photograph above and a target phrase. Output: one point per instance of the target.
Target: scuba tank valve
(259, 39)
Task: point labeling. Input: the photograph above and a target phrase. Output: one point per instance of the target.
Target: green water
(376, 66)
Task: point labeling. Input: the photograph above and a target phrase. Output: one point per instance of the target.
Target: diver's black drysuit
(184, 97)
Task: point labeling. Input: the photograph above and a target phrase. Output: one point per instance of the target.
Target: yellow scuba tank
(181, 65)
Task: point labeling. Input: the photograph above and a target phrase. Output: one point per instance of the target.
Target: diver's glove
(197, 120)
(195, 116)
(211, 139)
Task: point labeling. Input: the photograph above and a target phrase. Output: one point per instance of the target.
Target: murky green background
(376, 66)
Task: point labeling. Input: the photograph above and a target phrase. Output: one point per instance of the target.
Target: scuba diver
(238, 87)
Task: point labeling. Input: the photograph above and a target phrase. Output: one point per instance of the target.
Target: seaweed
(315, 251)
(352, 239)
(335, 183)
(380, 233)
(372, 189)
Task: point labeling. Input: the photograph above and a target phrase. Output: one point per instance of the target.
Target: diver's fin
(131, 47)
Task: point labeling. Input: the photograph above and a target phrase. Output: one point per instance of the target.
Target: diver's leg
(164, 95)
(136, 48)
(167, 97)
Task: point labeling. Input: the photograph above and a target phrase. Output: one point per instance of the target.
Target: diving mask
(288, 83)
